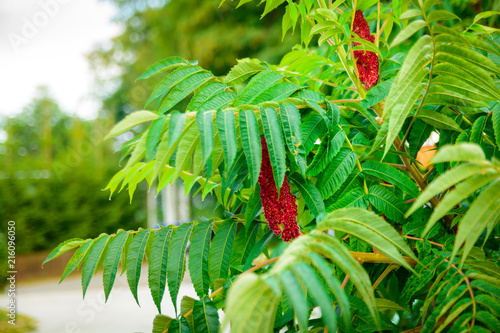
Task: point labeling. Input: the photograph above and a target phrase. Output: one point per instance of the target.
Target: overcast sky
(44, 42)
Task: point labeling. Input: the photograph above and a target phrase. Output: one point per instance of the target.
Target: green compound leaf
(184, 88)
(157, 269)
(311, 195)
(482, 212)
(316, 289)
(253, 207)
(161, 323)
(336, 173)
(387, 203)
(176, 263)
(227, 133)
(465, 152)
(243, 244)
(135, 256)
(370, 228)
(353, 198)
(256, 86)
(161, 66)
(328, 149)
(206, 318)
(206, 129)
(207, 92)
(179, 326)
(243, 70)
(251, 305)
(391, 175)
(112, 259)
(220, 253)
(290, 122)
(91, 264)
(296, 297)
(171, 80)
(275, 144)
(198, 257)
(130, 121)
(250, 139)
(63, 248)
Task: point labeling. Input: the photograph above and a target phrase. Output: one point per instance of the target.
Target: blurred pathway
(61, 309)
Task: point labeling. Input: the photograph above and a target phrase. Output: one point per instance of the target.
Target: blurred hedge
(49, 211)
(53, 168)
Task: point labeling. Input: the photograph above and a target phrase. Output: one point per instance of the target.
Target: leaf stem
(421, 239)
(377, 258)
(312, 78)
(377, 36)
(343, 59)
(467, 281)
(358, 164)
(399, 166)
(379, 33)
(386, 271)
(346, 279)
(485, 136)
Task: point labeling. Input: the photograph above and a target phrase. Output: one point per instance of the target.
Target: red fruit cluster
(278, 210)
(367, 62)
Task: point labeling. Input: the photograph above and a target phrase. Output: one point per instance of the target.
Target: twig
(346, 279)
(312, 78)
(399, 166)
(411, 200)
(383, 26)
(377, 258)
(428, 173)
(421, 239)
(378, 23)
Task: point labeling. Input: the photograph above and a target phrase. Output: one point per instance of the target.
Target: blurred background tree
(53, 166)
(195, 30)
(52, 173)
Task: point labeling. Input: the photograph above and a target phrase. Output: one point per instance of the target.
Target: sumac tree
(331, 222)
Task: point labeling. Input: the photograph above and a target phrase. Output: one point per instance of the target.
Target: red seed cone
(367, 62)
(280, 211)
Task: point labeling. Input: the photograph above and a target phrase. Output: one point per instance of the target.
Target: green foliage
(198, 257)
(351, 160)
(4, 257)
(157, 271)
(52, 170)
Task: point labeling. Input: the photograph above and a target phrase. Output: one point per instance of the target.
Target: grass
(23, 323)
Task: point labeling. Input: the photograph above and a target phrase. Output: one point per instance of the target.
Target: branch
(421, 239)
(265, 263)
(346, 279)
(361, 257)
(312, 78)
(377, 258)
(383, 26)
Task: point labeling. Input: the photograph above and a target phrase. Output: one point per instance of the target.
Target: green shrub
(314, 161)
